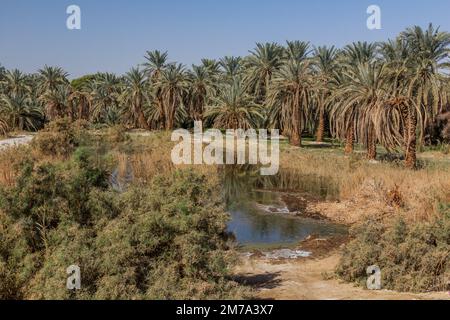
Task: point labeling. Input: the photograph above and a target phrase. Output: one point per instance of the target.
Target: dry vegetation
(367, 188)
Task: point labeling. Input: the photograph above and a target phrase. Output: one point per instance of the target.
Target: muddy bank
(369, 201)
(313, 247)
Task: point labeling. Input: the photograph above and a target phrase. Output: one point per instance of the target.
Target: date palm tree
(262, 63)
(231, 66)
(430, 53)
(366, 89)
(173, 85)
(134, 98)
(15, 82)
(398, 60)
(105, 92)
(233, 108)
(297, 50)
(344, 119)
(19, 112)
(324, 64)
(212, 66)
(200, 88)
(155, 64)
(56, 102)
(51, 77)
(289, 97)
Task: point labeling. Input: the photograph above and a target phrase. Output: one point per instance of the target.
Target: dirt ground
(312, 278)
(9, 142)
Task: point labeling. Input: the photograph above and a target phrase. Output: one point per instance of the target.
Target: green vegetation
(411, 257)
(161, 239)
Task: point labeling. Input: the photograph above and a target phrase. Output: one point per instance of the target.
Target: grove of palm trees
(364, 176)
(389, 94)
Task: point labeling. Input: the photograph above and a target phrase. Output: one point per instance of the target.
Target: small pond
(267, 212)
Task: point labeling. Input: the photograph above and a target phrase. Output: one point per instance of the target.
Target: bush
(117, 134)
(163, 240)
(61, 137)
(412, 258)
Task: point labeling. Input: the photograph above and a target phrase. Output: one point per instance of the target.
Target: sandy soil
(307, 279)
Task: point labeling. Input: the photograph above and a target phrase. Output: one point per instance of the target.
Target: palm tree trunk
(411, 144)
(321, 127)
(160, 103)
(142, 121)
(171, 114)
(141, 117)
(349, 140)
(296, 139)
(404, 129)
(372, 146)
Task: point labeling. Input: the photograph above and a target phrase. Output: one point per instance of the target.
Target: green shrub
(61, 137)
(163, 240)
(117, 134)
(411, 257)
(57, 138)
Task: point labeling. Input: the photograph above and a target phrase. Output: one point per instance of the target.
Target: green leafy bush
(412, 258)
(163, 240)
(61, 137)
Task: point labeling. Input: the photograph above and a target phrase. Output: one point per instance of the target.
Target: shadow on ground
(259, 281)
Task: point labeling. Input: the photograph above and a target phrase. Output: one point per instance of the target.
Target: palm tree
(154, 67)
(297, 50)
(173, 85)
(325, 64)
(397, 57)
(289, 97)
(344, 121)
(134, 97)
(51, 77)
(81, 99)
(430, 53)
(15, 82)
(232, 67)
(212, 66)
(367, 90)
(156, 63)
(105, 91)
(200, 88)
(233, 108)
(262, 63)
(19, 112)
(57, 102)
(53, 90)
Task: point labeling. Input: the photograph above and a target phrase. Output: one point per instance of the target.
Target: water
(261, 213)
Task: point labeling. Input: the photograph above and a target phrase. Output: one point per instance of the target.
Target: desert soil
(312, 278)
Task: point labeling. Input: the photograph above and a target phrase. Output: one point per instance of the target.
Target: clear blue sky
(115, 34)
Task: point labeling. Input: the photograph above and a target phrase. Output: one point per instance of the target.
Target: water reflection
(258, 213)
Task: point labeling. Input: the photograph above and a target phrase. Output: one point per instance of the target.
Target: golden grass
(420, 191)
(9, 160)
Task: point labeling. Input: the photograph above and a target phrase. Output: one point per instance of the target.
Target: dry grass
(372, 188)
(10, 158)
